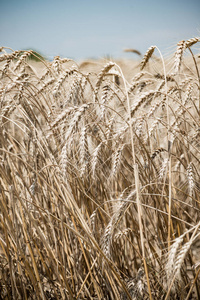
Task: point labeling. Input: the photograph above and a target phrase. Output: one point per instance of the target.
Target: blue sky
(94, 29)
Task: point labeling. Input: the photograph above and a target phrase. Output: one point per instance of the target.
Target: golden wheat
(86, 181)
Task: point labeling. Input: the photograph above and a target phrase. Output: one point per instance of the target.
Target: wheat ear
(179, 55)
(105, 70)
(147, 56)
(176, 258)
(191, 42)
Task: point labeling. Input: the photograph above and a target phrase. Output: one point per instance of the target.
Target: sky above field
(94, 29)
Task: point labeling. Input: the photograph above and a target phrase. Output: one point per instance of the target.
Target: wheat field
(100, 176)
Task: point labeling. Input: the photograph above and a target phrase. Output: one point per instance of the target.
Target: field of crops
(100, 176)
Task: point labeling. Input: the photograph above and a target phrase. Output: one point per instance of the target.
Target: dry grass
(99, 178)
